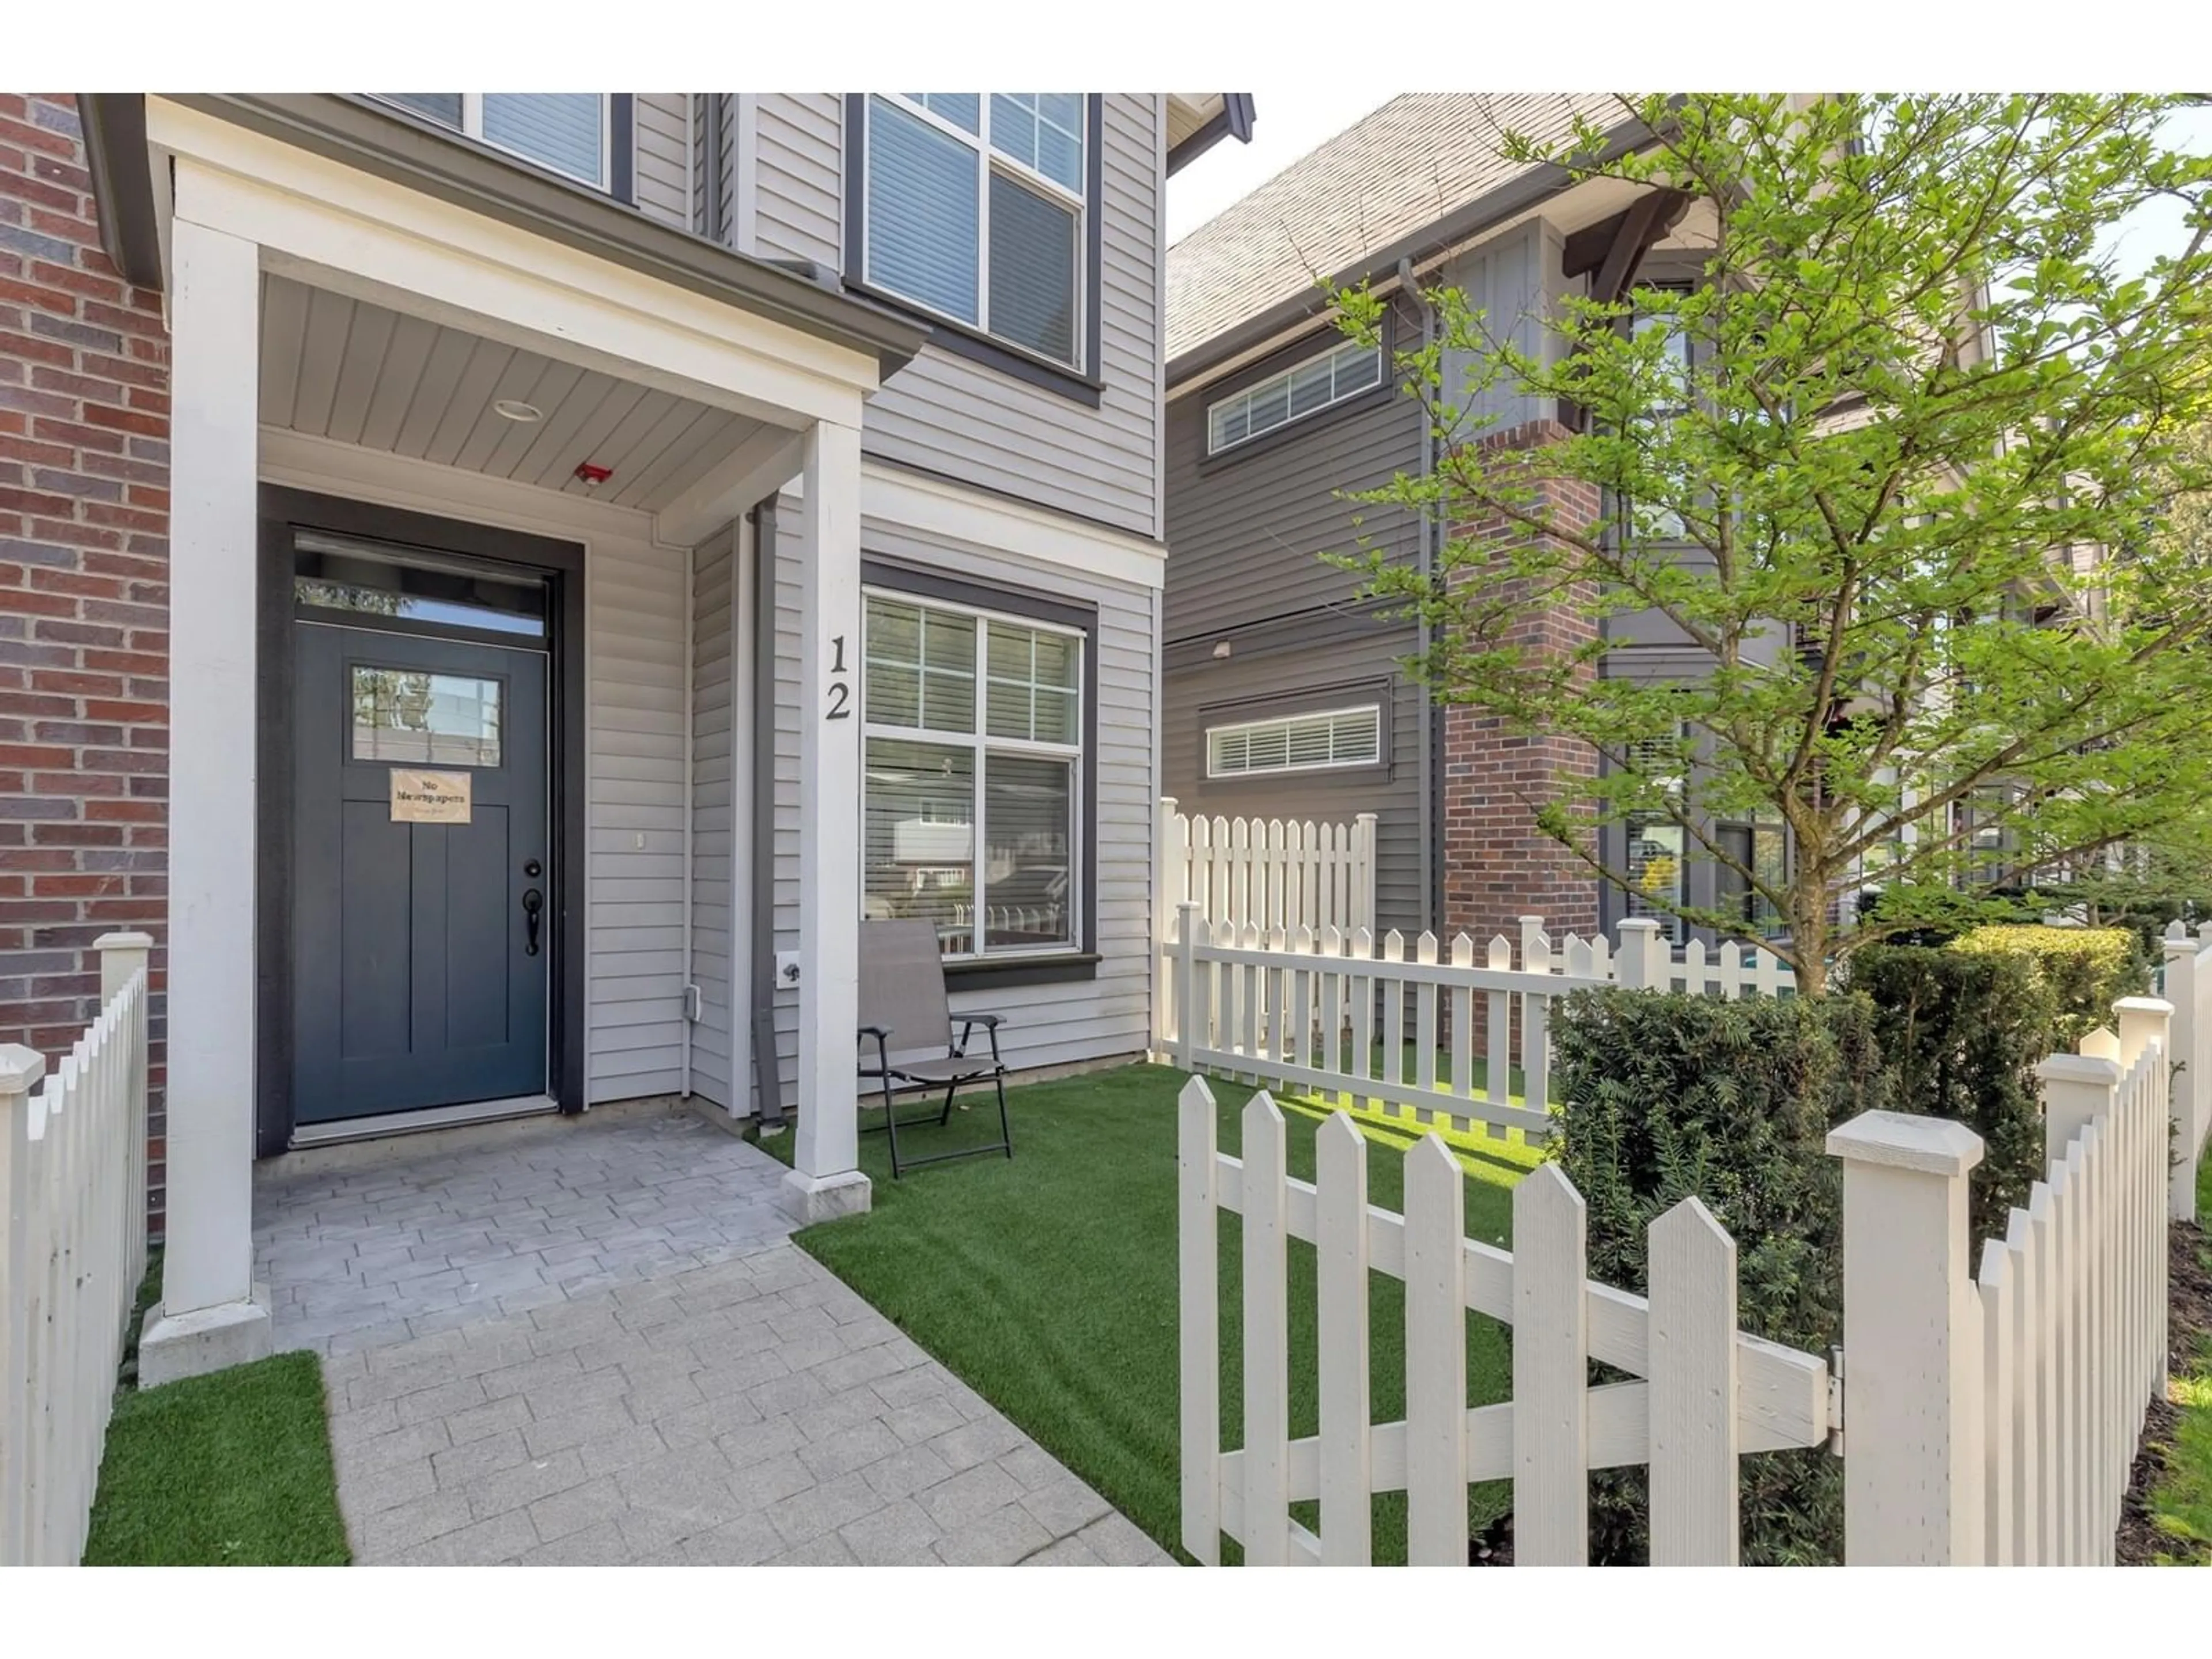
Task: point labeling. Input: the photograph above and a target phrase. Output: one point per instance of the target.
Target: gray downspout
(1432, 800)
(768, 1073)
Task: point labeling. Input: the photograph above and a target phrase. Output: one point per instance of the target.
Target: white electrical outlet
(787, 969)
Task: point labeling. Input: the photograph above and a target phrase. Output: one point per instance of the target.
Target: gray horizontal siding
(1246, 531)
(949, 414)
(1309, 665)
(635, 701)
(662, 138)
(1102, 1018)
(799, 147)
(712, 750)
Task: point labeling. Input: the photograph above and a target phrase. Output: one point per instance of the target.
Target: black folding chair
(903, 1008)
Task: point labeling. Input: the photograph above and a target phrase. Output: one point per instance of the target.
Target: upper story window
(566, 132)
(1299, 742)
(1304, 389)
(975, 208)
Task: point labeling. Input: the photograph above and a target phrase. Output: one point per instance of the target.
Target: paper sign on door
(430, 797)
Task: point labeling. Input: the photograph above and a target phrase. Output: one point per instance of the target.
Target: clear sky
(1289, 124)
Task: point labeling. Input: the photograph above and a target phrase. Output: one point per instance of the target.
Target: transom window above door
(975, 209)
(567, 132)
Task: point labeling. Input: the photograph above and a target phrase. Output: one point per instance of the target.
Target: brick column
(84, 642)
(1497, 865)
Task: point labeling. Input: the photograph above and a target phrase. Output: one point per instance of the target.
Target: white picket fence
(1987, 1418)
(2188, 988)
(1706, 1393)
(1306, 1010)
(73, 1178)
(2072, 1303)
(1268, 872)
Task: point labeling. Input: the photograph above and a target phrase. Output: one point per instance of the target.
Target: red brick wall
(84, 596)
(1498, 866)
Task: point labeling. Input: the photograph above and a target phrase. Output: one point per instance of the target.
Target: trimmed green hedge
(2088, 969)
(1671, 1095)
(1960, 1033)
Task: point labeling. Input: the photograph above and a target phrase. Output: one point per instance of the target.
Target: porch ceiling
(337, 367)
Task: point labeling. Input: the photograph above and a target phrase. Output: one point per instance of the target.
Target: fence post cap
(1188, 904)
(20, 1068)
(2156, 1007)
(1899, 1141)
(2177, 942)
(2093, 1069)
(1637, 924)
(128, 941)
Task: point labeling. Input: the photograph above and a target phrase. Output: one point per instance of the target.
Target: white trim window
(1303, 389)
(972, 723)
(565, 133)
(1332, 738)
(973, 210)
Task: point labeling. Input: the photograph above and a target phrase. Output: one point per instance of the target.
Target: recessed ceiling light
(514, 408)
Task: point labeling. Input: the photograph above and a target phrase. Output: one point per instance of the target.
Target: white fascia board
(334, 226)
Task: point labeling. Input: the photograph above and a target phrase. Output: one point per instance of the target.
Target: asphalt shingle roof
(1408, 164)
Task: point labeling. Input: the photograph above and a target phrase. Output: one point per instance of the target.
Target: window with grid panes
(975, 209)
(972, 735)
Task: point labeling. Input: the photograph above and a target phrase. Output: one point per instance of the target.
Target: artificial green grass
(1047, 1282)
(230, 1469)
(2181, 1498)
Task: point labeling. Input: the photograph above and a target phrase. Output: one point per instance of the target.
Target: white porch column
(825, 1178)
(209, 1315)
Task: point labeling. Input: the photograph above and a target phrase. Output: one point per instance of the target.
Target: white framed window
(1296, 743)
(565, 133)
(972, 734)
(1303, 389)
(974, 208)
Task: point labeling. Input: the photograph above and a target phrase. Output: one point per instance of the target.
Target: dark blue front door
(423, 912)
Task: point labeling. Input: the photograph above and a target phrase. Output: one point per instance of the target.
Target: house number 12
(841, 692)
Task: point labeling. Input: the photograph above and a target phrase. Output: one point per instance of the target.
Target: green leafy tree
(1899, 491)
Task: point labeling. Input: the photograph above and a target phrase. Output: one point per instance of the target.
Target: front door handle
(532, 902)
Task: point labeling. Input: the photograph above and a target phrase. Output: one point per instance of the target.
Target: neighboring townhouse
(501, 585)
(1284, 693)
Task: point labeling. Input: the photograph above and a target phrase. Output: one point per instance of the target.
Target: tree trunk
(1809, 937)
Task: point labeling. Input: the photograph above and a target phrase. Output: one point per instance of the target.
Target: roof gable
(1382, 178)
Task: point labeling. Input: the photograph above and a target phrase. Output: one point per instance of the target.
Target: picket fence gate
(72, 1253)
(1705, 1392)
(1306, 1010)
(1986, 1417)
(2188, 988)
